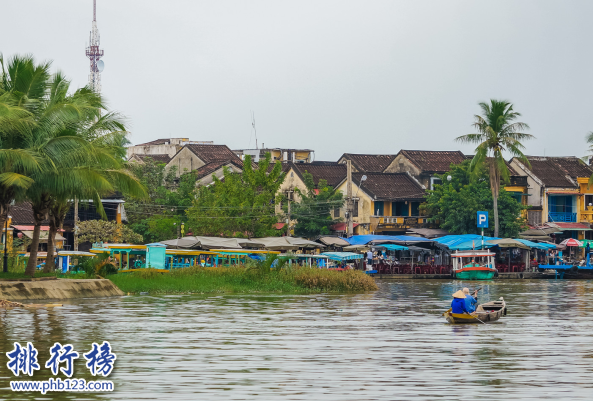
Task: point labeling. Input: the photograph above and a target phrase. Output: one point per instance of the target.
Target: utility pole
(5, 260)
(76, 223)
(289, 195)
(349, 197)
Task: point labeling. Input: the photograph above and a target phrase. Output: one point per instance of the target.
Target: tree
(454, 203)
(106, 231)
(314, 211)
(497, 132)
(239, 205)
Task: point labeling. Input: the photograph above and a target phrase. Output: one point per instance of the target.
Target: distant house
(425, 165)
(283, 155)
(386, 203)
(364, 163)
(193, 157)
(558, 192)
(165, 146)
(156, 158)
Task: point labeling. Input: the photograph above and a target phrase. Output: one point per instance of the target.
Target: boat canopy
(342, 256)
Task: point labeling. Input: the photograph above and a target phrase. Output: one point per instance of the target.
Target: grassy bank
(243, 280)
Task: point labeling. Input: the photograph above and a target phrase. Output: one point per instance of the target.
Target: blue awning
(365, 239)
(464, 242)
(341, 256)
(393, 247)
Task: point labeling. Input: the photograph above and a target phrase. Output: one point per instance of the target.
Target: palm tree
(497, 132)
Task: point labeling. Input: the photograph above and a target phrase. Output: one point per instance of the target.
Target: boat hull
(485, 313)
(475, 273)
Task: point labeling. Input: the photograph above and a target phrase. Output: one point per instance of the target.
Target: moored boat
(486, 312)
(473, 265)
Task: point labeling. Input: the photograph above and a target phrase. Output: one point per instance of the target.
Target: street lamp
(449, 178)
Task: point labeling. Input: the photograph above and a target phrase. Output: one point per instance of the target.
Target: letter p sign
(482, 219)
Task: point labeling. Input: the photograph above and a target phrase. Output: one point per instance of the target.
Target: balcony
(518, 181)
(562, 217)
(400, 221)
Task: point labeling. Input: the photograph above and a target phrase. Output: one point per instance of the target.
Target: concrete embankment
(57, 289)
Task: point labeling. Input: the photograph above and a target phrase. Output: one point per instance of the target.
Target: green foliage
(106, 231)
(157, 217)
(91, 266)
(240, 205)
(314, 211)
(454, 204)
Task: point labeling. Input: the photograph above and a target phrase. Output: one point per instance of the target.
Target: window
(415, 209)
(378, 208)
(336, 212)
(399, 209)
(435, 181)
(588, 200)
(355, 211)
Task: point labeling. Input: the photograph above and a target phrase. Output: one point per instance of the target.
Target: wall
(291, 181)
(57, 289)
(185, 160)
(153, 150)
(365, 204)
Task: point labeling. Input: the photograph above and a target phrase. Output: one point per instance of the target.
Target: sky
(335, 76)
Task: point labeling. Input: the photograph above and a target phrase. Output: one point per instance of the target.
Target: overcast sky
(333, 76)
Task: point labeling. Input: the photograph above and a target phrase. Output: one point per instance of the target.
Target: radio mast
(94, 54)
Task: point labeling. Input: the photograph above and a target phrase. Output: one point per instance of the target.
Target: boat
(485, 313)
(473, 265)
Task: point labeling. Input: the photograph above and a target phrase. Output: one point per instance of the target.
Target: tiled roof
(369, 163)
(559, 171)
(334, 173)
(155, 142)
(156, 158)
(212, 153)
(390, 186)
(22, 214)
(210, 168)
(434, 161)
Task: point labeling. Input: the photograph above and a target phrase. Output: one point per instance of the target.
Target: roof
(22, 214)
(213, 153)
(369, 163)
(159, 158)
(559, 171)
(573, 226)
(210, 168)
(390, 186)
(434, 161)
(164, 141)
(334, 173)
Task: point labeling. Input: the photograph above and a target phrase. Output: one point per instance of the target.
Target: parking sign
(482, 219)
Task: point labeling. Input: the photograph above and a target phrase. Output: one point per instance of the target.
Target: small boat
(487, 312)
(473, 265)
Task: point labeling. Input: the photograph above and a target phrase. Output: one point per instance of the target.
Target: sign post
(482, 223)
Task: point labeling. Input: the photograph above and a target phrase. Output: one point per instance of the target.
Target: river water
(388, 345)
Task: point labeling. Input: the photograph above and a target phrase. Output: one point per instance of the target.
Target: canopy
(286, 243)
(335, 241)
(341, 256)
(356, 248)
(534, 245)
(571, 242)
(377, 239)
(303, 243)
(212, 243)
(509, 243)
(393, 247)
(464, 242)
(43, 236)
(428, 232)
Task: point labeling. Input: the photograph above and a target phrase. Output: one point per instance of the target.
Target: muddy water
(387, 345)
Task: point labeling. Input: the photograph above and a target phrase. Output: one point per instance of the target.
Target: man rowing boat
(470, 301)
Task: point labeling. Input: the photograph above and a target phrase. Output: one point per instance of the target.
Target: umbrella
(571, 242)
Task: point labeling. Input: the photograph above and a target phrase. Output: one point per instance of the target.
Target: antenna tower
(254, 130)
(94, 54)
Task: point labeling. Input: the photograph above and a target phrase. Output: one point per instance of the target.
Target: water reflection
(392, 344)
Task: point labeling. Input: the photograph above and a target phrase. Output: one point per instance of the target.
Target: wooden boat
(487, 312)
(473, 265)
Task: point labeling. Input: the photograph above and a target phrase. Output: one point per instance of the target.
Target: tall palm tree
(498, 132)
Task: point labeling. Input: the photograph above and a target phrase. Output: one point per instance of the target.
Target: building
(209, 157)
(367, 163)
(384, 203)
(425, 165)
(278, 154)
(157, 158)
(558, 193)
(168, 146)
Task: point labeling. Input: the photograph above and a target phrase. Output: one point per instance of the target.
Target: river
(388, 345)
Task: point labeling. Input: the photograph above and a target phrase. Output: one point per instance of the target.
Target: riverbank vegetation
(243, 280)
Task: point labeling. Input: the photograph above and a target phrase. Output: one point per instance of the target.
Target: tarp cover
(509, 243)
(335, 241)
(342, 255)
(535, 245)
(393, 247)
(376, 239)
(286, 243)
(464, 242)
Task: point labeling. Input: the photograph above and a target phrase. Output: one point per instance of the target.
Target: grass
(243, 280)
(19, 275)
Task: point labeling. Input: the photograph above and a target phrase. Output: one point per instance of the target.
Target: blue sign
(482, 219)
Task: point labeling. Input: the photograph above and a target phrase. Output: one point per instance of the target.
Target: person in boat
(458, 305)
(470, 301)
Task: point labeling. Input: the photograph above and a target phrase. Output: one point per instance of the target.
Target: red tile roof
(434, 161)
(559, 171)
(212, 153)
(369, 163)
(573, 226)
(390, 186)
(332, 172)
(210, 168)
(155, 142)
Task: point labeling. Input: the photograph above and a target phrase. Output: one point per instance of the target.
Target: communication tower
(94, 54)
